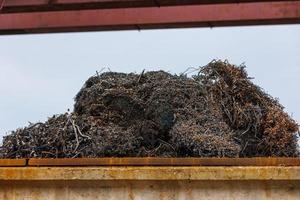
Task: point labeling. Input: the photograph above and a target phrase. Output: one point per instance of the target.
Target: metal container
(150, 179)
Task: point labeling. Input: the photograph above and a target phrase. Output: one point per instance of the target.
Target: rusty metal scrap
(218, 112)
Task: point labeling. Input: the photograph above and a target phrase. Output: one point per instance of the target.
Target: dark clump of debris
(218, 112)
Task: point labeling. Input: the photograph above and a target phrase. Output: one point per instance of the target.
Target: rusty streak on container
(287, 12)
(152, 161)
(43, 5)
(12, 162)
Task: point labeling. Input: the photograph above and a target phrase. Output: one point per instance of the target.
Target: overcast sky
(40, 74)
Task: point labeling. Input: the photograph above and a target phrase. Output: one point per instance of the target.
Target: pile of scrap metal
(217, 112)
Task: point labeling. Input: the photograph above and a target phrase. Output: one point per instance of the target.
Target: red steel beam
(17, 3)
(152, 17)
(10, 6)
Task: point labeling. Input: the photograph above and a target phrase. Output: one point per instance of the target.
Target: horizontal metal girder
(287, 12)
(153, 161)
(10, 6)
(157, 161)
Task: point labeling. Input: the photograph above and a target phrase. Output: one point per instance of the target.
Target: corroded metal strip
(151, 161)
(12, 162)
(148, 173)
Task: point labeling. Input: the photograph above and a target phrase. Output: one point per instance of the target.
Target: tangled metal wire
(218, 112)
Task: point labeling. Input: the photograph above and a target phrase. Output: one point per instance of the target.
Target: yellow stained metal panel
(149, 173)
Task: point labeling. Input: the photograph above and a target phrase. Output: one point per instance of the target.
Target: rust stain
(130, 193)
(12, 162)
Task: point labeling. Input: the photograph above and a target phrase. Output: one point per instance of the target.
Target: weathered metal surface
(147, 183)
(152, 161)
(149, 190)
(152, 17)
(148, 173)
(12, 162)
(47, 5)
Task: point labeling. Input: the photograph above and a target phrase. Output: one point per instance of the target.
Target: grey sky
(40, 74)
